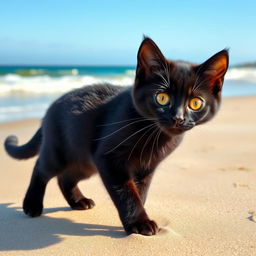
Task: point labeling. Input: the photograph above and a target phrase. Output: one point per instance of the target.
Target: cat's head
(178, 95)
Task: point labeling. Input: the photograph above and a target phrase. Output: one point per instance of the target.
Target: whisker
(195, 84)
(149, 129)
(104, 137)
(198, 85)
(167, 71)
(123, 121)
(145, 144)
(153, 144)
(128, 138)
(118, 122)
(159, 74)
(163, 86)
(158, 139)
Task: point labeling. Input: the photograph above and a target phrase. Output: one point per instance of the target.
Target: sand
(203, 197)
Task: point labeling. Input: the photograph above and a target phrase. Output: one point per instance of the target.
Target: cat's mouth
(172, 127)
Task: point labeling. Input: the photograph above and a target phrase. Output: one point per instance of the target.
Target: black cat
(122, 133)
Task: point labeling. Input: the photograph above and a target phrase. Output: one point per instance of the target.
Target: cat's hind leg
(68, 185)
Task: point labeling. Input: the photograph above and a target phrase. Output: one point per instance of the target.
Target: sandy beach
(203, 197)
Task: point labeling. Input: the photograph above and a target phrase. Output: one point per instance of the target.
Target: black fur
(122, 133)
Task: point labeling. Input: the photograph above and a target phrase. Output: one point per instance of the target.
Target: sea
(27, 91)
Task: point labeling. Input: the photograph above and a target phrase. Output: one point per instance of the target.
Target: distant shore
(203, 197)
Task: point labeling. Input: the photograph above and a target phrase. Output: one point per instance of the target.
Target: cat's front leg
(143, 180)
(126, 198)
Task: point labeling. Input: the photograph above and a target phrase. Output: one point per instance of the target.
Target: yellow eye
(162, 98)
(195, 103)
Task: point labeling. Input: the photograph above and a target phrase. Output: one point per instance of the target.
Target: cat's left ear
(149, 58)
(213, 71)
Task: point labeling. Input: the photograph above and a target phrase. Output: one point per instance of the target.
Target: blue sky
(109, 32)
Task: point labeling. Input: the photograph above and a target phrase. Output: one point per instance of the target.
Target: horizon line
(68, 65)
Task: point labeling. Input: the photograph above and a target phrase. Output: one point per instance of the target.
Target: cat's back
(83, 100)
(80, 105)
(89, 97)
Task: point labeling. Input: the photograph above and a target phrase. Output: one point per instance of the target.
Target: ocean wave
(13, 83)
(242, 74)
(45, 84)
(19, 112)
(23, 97)
(19, 109)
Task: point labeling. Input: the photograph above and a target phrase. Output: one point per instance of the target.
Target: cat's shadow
(19, 232)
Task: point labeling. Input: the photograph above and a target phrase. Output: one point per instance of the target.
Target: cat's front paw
(32, 207)
(144, 227)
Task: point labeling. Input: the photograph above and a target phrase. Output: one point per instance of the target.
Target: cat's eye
(162, 98)
(196, 103)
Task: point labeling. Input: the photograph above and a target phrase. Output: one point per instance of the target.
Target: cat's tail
(25, 151)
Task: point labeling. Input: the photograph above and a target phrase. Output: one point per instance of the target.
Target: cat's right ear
(213, 70)
(149, 58)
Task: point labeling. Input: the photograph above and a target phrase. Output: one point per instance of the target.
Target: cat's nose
(178, 117)
(179, 120)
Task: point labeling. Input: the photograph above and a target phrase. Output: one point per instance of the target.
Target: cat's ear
(149, 58)
(213, 71)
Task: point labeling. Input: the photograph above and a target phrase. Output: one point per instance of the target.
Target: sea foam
(242, 74)
(13, 83)
(27, 93)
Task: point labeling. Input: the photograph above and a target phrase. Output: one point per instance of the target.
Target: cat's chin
(170, 131)
(172, 128)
